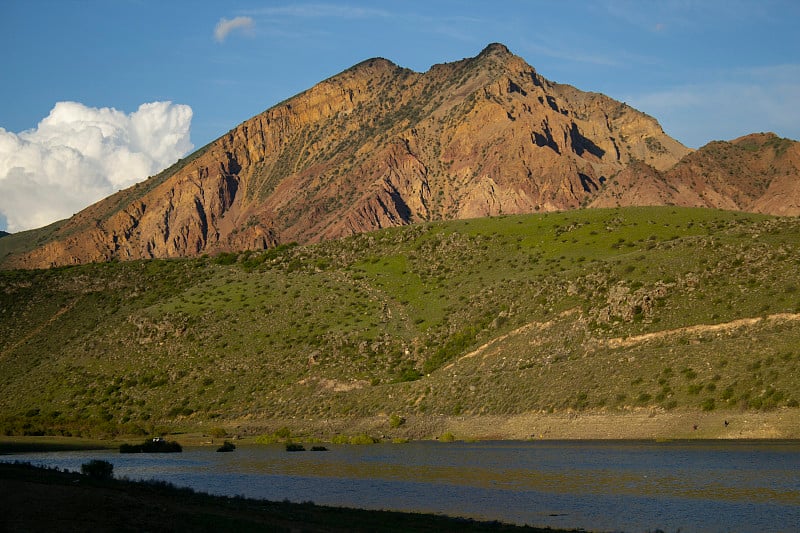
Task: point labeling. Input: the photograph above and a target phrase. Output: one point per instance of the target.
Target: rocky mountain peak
(755, 138)
(370, 67)
(496, 49)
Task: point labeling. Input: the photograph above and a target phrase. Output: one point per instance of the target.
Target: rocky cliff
(375, 146)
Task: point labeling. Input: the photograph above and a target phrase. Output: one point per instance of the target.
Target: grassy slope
(501, 316)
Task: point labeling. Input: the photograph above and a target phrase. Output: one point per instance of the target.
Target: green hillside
(590, 311)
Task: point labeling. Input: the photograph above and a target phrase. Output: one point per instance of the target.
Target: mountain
(756, 173)
(379, 146)
(375, 146)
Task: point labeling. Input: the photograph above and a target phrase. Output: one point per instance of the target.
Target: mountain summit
(377, 145)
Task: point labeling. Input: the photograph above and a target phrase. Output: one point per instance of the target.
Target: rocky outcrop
(757, 173)
(375, 146)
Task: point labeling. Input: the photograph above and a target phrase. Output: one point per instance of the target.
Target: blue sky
(713, 69)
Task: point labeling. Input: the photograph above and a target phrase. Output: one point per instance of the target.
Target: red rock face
(756, 173)
(379, 146)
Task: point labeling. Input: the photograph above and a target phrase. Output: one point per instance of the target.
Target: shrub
(354, 439)
(227, 446)
(395, 421)
(408, 374)
(447, 437)
(226, 258)
(152, 446)
(363, 439)
(581, 401)
(708, 404)
(98, 469)
(455, 345)
(218, 433)
(727, 394)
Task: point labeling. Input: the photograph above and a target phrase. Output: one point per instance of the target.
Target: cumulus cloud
(225, 26)
(78, 155)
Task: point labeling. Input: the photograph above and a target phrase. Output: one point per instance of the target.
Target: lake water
(610, 486)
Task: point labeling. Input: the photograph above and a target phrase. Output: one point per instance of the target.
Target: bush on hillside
(218, 433)
(395, 421)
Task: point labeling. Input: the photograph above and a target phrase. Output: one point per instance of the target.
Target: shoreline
(644, 425)
(10, 445)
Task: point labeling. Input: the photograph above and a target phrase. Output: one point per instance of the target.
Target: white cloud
(78, 155)
(225, 26)
(321, 10)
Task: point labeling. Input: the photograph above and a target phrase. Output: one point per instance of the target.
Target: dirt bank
(637, 424)
(647, 424)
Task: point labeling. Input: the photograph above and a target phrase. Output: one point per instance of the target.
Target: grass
(558, 306)
(11, 445)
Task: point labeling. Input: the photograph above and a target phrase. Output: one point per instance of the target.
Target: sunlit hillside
(592, 311)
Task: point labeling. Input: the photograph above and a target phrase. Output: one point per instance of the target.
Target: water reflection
(632, 486)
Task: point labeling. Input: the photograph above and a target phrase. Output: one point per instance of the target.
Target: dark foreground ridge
(41, 499)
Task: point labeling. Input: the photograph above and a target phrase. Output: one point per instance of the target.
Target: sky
(98, 94)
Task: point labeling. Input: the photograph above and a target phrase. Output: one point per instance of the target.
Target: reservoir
(689, 486)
